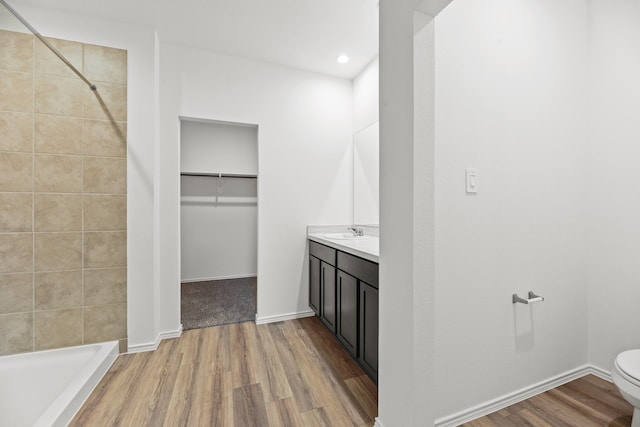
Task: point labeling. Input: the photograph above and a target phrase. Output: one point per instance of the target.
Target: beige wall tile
(16, 331)
(58, 212)
(105, 323)
(58, 251)
(58, 95)
(124, 345)
(16, 51)
(58, 290)
(16, 212)
(105, 64)
(16, 292)
(60, 328)
(47, 63)
(16, 91)
(105, 212)
(109, 102)
(105, 249)
(57, 135)
(104, 138)
(17, 172)
(58, 174)
(106, 175)
(16, 131)
(16, 253)
(70, 122)
(105, 286)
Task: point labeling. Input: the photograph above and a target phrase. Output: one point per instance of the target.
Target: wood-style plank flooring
(586, 402)
(291, 373)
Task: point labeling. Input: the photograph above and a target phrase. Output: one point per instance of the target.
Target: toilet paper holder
(532, 298)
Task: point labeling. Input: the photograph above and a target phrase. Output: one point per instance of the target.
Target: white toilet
(626, 375)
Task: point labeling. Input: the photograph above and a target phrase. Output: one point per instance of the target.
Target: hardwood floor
(291, 373)
(586, 402)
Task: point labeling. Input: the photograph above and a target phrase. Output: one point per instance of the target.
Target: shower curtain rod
(46, 43)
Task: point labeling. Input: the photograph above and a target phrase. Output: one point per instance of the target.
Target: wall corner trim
(519, 395)
(282, 317)
(153, 346)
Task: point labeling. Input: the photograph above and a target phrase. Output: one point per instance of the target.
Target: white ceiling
(305, 34)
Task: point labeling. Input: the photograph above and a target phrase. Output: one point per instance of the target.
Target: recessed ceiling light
(342, 59)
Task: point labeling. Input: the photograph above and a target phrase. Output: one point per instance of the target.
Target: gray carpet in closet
(218, 302)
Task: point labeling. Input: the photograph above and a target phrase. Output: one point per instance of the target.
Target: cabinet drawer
(364, 270)
(325, 253)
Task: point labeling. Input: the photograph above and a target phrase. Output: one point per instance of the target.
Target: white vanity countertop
(367, 246)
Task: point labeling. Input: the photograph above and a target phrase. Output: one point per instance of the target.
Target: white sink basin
(344, 236)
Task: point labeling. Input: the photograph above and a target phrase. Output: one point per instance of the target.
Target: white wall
(424, 220)
(614, 227)
(399, 357)
(219, 228)
(366, 175)
(305, 160)
(218, 216)
(365, 96)
(366, 149)
(510, 101)
(140, 45)
(218, 147)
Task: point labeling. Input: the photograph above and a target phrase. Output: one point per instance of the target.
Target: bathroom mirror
(366, 174)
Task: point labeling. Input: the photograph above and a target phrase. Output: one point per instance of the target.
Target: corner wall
(510, 101)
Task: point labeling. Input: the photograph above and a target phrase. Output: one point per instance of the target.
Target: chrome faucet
(357, 231)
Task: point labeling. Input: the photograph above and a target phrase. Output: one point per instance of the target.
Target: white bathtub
(47, 388)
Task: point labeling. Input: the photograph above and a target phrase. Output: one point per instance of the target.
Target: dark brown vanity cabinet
(343, 292)
(328, 304)
(347, 327)
(368, 357)
(314, 284)
(322, 283)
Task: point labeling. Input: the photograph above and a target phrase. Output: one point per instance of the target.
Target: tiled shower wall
(63, 259)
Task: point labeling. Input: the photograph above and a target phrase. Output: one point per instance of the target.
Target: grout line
(82, 224)
(33, 194)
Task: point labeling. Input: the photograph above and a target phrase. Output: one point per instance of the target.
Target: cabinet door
(347, 327)
(369, 330)
(328, 295)
(314, 284)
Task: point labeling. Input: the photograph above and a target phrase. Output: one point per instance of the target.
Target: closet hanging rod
(219, 175)
(47, 44)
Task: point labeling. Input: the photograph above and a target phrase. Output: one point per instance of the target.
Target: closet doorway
(219, 222)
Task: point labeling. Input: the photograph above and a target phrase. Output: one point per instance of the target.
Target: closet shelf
(219, 175)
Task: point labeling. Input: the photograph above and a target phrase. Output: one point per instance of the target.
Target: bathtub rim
(62, 410)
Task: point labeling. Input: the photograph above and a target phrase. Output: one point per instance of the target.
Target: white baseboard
(153, 346)
(208, 279)
(520, 395)
(171, 334)
(601, 373)
(378, 423)
(283, 317)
